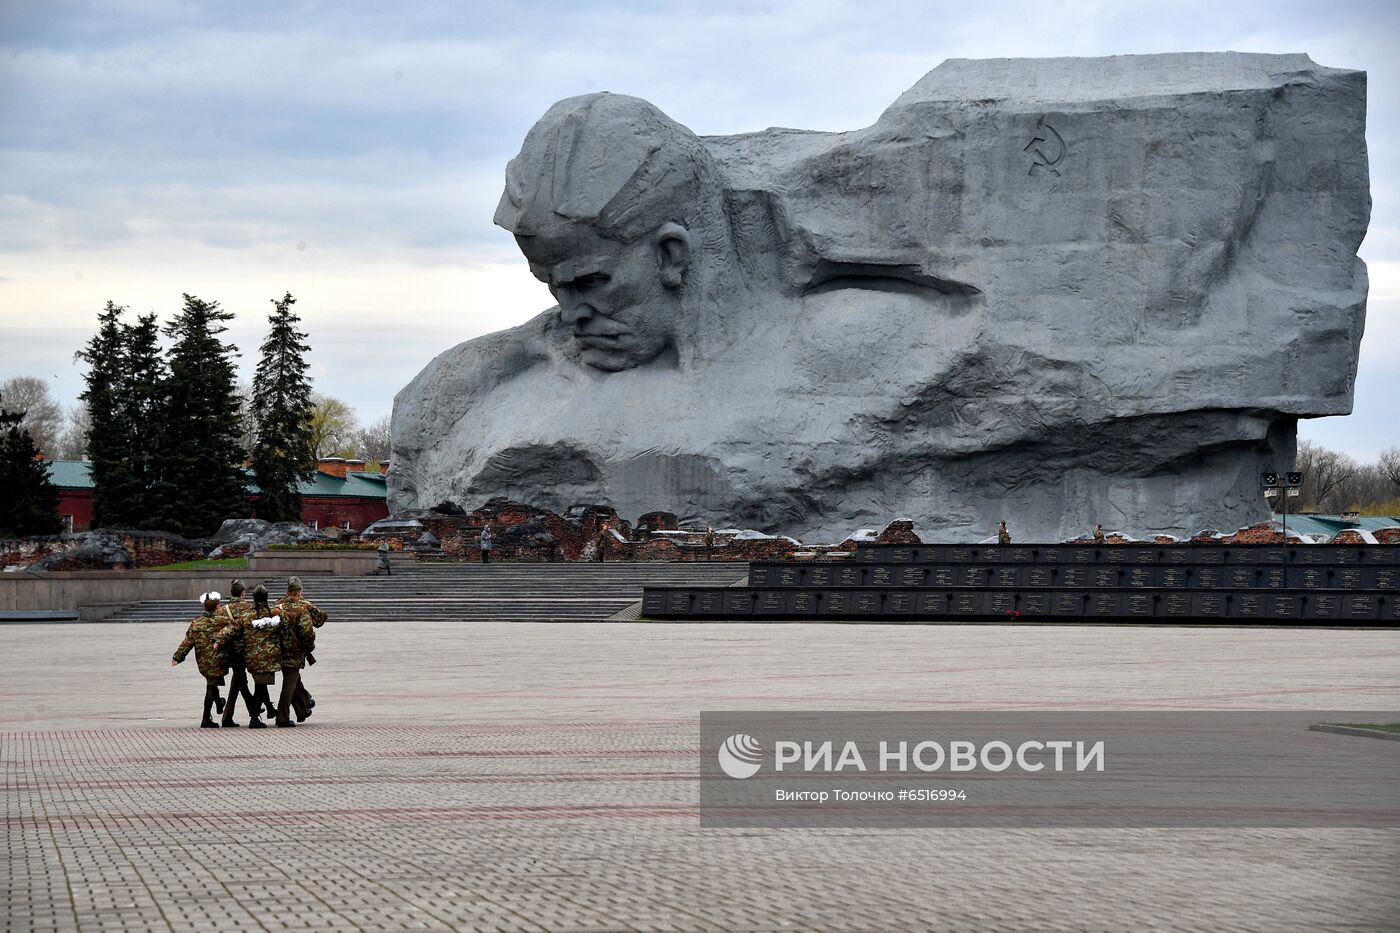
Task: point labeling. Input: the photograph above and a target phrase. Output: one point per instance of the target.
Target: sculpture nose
(574, 312)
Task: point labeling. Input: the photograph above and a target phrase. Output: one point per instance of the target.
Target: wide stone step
(477, 592)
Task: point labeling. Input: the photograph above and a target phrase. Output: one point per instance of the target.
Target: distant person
(262, 649)
(233, 643)
(203, 635)
(1098, 534)
(600, 543)
(1003, 536)
(384, 557)
(709, 543)
(300, 619)
(486, 544)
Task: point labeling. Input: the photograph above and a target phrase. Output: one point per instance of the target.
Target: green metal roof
(1331, 524)
(77, 474)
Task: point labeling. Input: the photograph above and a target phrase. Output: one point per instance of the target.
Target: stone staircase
(563, 592)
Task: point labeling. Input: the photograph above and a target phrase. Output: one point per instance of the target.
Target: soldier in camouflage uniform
(1003, 536)
(262, 649)
(233, 640)
(300, 619)
(205, 636)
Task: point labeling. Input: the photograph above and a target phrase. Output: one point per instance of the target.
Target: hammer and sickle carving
(1043, 134)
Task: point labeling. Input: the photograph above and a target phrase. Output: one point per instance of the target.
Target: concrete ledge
(1353, 730)
(38, 616)
(300, 563)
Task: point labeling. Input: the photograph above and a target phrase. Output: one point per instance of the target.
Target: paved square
(510, 776)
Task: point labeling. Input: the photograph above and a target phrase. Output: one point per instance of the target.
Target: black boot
(210, 695)
(286, 725)
(256, 723)
(218, 701)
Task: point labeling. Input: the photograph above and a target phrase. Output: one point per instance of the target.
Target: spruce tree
(282, 453)
(30, 503)
(143, 409)
(201, 461)
(109, 434)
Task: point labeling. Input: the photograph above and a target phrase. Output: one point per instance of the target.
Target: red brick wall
(77, 503)
(329, 512)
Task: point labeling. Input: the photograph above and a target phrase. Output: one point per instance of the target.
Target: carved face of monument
(622, 301)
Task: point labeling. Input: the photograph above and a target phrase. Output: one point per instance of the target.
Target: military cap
(293, 583)
(211, 596)
(236, 588)
(259, 590)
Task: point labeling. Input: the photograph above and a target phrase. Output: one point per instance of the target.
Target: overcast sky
(352, 153)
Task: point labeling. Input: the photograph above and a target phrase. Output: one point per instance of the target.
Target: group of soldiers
(254, 637)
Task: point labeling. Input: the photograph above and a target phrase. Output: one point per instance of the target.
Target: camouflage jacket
(205, 636)
(300, 619)
(230, 611)
(262, 644)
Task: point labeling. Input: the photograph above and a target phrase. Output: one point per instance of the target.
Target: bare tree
(1390, 464)
(72, 445)
(1327, 475)
(373, 440)
(43, 417)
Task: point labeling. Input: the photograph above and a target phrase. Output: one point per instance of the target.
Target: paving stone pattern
(519, 777)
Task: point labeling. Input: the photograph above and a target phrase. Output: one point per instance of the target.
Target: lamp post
(1282, 485)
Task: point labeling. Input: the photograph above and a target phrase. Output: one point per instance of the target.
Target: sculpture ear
(672, 244)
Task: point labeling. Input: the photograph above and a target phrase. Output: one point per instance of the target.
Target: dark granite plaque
(1209, 577)
(1210, 605)
(912, 576)
(1385, 578)
(902, 604)
(1140, 577)
(1035, 604)
(771, 602)
(1248, 605)
(1308, 555)
(1347, 555)
(1019, 555)
(678, 601)
(1383, 554)
(1390, 609)
(1272, 555)
(1177, 555)
(1310, 578)
(1241, 577)
(1104, 605)
(961, 555)
(881, 575)
(709, 602)
(944, 576)
(1074, 576)
(899, 555)
(1208, 555)
(1175, 576)
(1082, 555)
(738, 602)
(1139, 604)
(1358, 606)
(1247, 556)
(759, 575)
(1348, 578)
(965, 604)
(1117, 555)
(1322, 606)
(802, 602)
(1284, 606)
(653, 602)
(1068, 604)
(850, 576)
(973, 576)
(819, 576)
(1105, 578)
(868, 604)
(933, 605)
(835, 602)
(1008, 578)
(990, 554)
(1175, 604)
(1001, 604)
(1273, 578)
(1040, 576)
(789, 576)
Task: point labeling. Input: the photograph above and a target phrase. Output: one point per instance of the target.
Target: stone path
(506, 776)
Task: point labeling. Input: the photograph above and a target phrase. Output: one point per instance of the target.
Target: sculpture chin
(615, 354)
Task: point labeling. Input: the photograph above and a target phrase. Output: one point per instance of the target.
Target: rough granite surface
(1055, 291)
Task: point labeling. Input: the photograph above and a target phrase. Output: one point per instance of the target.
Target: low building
(343, 494)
